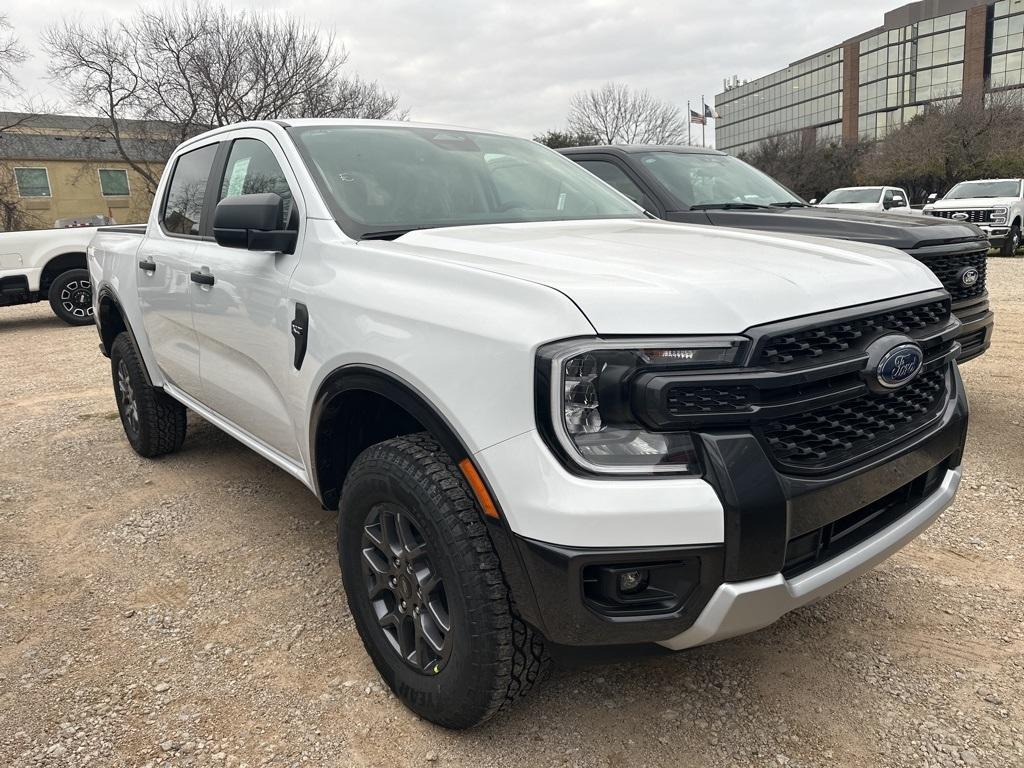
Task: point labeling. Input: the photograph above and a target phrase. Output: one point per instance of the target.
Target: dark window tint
(252, 169)
(183, 211)
(615, 177)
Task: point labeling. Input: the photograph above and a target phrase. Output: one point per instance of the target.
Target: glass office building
(925, 53)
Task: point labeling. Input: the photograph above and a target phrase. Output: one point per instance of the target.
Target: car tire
(153, 422)
(437, 618)
(1012, 242)
(70, 297)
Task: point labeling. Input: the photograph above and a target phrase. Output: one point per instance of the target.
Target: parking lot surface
(189, 611)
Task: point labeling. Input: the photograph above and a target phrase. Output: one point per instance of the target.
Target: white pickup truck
(996, 206)
(547, 420)
(878, 199)
(48, 264)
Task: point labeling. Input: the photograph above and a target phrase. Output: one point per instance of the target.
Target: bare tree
(616, 114)
(560, 139)
(11, 55)
(186, 68)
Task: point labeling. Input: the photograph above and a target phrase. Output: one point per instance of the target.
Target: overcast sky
(514, 66)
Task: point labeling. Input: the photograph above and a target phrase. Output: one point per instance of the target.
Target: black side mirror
(251, 222)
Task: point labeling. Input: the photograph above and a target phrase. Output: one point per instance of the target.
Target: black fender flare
(106, 293)
(382, 382)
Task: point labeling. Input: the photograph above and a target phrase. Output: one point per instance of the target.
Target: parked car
(48, 264)
(547, 420)
(878, 199)
(705, 186)
(996, 206)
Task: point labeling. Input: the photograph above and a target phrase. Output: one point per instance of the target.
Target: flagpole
(689, 124)
(704, 123)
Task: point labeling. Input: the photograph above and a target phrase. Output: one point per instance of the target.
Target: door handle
(203, 278)
(147, 266)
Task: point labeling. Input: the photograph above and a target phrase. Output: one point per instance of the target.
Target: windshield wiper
(728, 207)
(790, 204)
(387, 234)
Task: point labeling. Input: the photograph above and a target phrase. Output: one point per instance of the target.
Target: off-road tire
(158, 423)
(1012, 242)
(495, 657)
(70, 297)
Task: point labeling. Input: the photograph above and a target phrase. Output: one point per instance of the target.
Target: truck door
(242, 312)
(165, 259)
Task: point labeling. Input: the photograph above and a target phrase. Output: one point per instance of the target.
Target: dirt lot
(189, 612)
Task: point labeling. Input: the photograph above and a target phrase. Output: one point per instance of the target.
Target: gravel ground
(189, 611)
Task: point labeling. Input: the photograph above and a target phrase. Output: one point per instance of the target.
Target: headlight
(589, 390)
(999, 215)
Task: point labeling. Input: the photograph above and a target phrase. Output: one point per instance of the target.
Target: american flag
(698, 118)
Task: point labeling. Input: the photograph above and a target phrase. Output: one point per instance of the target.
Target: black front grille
(973, 215)
(948, 269)
(810, 549)
(684, 400)
(836, 433)
(812, 345)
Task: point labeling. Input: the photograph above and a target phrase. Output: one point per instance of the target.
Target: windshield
(853, 195)
(383, 181)
(697, 179)
(984, 189)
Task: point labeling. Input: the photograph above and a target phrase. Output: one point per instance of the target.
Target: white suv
(547, 420)
(994, 205)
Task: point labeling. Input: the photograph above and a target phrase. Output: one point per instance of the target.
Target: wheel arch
(59, 264)
(111, 320)
(359, 405)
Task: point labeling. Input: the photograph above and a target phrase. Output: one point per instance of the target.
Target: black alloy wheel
(70, 297)
(405, 589)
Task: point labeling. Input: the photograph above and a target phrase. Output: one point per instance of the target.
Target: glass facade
(806, 95)
(902, 68)
(905, 68)
(1006, 58)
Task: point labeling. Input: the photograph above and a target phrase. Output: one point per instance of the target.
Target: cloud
(514, 66)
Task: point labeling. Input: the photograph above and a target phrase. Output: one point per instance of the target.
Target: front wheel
(1012, 241)
(71, 297)
(426, 589)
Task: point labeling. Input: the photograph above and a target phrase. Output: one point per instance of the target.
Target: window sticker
(236, 182)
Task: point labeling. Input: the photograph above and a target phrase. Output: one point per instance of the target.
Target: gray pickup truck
(693, 185)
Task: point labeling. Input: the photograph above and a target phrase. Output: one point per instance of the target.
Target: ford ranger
(48, 264)
(547, 420)
(996, 206)
(704, 186)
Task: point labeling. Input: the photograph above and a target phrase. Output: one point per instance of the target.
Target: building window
(113, 182)
(32, 182)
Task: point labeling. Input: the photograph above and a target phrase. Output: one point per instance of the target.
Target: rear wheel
(71, 297)
(1012, 242)
(153, 422)
(425, 586)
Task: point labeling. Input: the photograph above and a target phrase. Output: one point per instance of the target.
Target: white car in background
(994, 205)
(882, 199)
(48, 265)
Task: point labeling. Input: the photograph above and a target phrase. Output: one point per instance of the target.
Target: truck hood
(652, 277)
(973, 202)
(882, 228)
(851, 206)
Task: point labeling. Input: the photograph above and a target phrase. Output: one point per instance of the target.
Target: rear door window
(614, 176)
(183, 206)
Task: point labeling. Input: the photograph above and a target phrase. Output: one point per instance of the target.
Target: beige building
(59, 170)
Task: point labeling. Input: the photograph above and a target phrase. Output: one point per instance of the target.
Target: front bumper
(996, 234)
(751, 575)
(740, 607)
(976, 324)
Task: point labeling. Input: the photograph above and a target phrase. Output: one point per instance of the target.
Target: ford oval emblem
(960, 216)
(969, 276)
(899, 365)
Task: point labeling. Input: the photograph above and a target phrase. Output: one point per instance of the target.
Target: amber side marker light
(479, 489)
